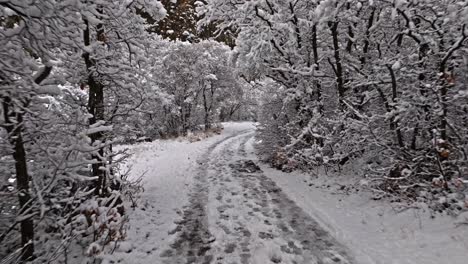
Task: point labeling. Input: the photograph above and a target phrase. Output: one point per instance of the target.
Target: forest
(376, 90)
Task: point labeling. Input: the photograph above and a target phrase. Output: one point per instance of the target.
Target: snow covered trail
(211, 201)
(168, 169)
(236, 214)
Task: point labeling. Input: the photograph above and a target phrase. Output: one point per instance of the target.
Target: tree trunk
(365, 47)
(96, 109)
(15, 137)
(24, 197)
(207, 110)
(207, 121)
(316, 82)
(394, 121)
(222, 114)
(186, 113)
(338, 68)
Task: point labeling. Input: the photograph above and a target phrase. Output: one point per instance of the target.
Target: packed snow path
(236, 214)
(208, 202)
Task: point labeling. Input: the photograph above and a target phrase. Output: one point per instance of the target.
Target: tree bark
(365, 48)
(96, 109)
(316, 82)
(394, 121)
(338, 67)
(207, 110)
(14, 129)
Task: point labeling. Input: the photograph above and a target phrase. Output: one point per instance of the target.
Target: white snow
(167, 168)
(97, 129)
(397, 65)
(376, 232)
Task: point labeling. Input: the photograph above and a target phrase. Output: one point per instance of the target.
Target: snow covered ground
(168, 168)
(376, 231)
(205, 203)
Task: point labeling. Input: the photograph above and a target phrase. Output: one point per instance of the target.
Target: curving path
(236, 214)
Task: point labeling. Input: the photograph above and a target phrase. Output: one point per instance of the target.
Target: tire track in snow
(194, 238)
(263, 225)
(236, 214)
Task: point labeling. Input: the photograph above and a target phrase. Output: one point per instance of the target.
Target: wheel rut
(193, 235)
(236, 214)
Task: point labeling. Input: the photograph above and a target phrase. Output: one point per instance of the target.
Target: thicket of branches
(76, 78)
(195, 86)
(66, 72)
(382, 82)
(378, 83)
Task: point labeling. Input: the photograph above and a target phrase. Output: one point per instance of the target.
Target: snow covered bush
(67, 70)
(382, 82)
(196, 83)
